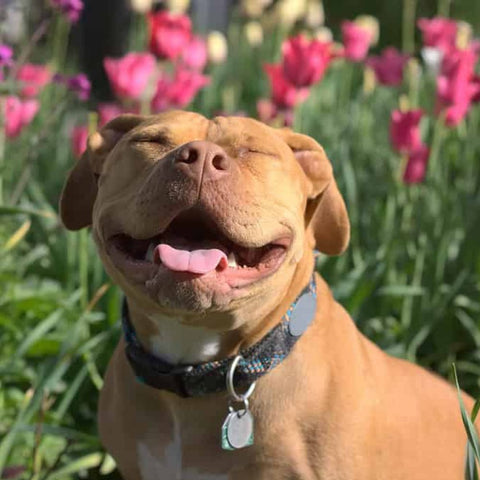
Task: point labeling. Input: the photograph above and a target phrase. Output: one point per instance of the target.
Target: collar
(210, 377)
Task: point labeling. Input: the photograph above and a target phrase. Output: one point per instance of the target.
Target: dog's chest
(168, 464)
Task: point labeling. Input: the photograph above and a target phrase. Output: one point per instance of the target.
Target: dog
(236, 361)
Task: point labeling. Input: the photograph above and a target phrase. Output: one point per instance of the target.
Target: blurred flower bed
(401, 129)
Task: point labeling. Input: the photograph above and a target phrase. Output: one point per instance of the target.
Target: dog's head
(195, 215)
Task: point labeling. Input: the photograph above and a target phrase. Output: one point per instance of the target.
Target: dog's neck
(175, 341)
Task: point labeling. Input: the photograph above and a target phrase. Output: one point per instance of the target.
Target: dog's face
(192, 215)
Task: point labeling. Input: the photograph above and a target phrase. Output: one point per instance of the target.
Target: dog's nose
(203, 156)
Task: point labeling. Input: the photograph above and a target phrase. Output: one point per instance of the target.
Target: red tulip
(32, 78)
(356, 40)
(18, 114)
(305, 61)
(179, 91)
(405, 130)
(438, 32)
(195, 54)
(169, 34)
(284, 94)
(130, 74)
(416, 167)
(457, 86)
(388, 67)
(79, 140)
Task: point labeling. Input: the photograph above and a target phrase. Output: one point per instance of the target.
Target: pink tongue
(196, 261)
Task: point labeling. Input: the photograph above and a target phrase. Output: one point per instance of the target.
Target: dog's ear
(326, 211)
(80, 189)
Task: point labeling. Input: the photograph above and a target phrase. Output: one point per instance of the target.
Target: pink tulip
(195, 54)
(33, 78)
(130, 74)
(356, 40)
(388, 67)
(79, 140)
(107, 112)
(457, 86)
(6, 55)
(305, 61)
(438, 32)
(18, 114)
(285, 95)
(416, 167)
(405, 130)
(179, 91)
(169, 34)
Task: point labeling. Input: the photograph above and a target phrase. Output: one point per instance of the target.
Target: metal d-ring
(242, 397)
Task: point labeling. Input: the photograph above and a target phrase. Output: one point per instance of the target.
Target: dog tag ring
(237, 429)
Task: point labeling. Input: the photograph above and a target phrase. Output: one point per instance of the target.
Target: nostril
(220, 162)
(187, 155)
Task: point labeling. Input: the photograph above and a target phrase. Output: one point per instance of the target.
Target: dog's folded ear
(326, 212)
(80, 189)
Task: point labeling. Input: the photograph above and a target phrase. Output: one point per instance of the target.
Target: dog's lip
(256, 259)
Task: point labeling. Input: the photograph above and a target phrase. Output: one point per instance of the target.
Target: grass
(410, 279)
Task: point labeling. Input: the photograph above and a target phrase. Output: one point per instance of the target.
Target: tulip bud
(178, 6)
(217, 47)
(371, 24)
(315, 15)
(254, 33)
(464, 35)
(141, 6)
(289, 11)
(324, 34)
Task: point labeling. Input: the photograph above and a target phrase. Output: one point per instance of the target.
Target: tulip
(388, 67)
(285, 95)
(194, 55)
(130, 74)
(72, 9)
(315, 15)
(18, 114)
(416, 167)
(179, 91)
(356, 40)
(254, 33)
(107, 112)
(405, 130)
(438, 32)
(79, 140)
(457, 86)
(169, 34)
(80, 84)
(178, 6)
(304, 61)
(217, 47)
(6, 55)
(33, 78)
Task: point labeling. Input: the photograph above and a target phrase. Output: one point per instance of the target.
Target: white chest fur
(179, 343)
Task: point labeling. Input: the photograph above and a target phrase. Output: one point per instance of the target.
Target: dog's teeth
(149, 254)
(232, 261)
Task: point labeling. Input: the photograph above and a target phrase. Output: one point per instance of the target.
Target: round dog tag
(302, 314)
(240, 429)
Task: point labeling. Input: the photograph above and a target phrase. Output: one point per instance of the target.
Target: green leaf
(91, 460)
(467, 422)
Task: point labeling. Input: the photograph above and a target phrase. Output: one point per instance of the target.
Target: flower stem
(408, 27)
(444, 8)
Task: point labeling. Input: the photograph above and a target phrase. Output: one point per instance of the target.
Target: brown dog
(208, 226)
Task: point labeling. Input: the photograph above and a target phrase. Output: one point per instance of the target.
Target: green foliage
(410, 279)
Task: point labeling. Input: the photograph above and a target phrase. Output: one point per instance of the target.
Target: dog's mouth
(194, 246)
